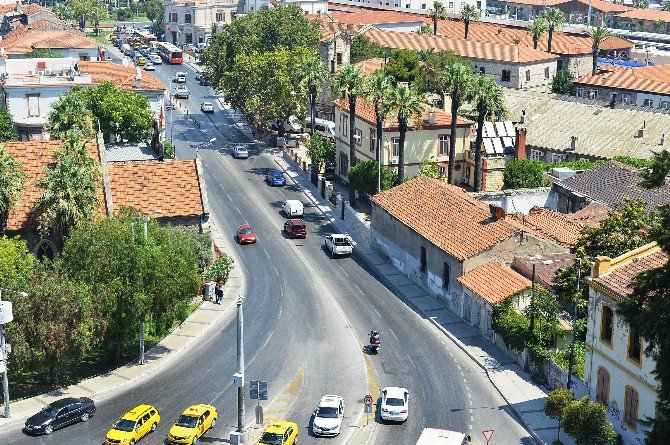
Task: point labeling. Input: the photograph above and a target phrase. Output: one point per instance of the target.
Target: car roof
(197, 410)
(60, 403)
(395, 391)
(276, 173)
(330, 401)
(241, 147)
(245, 225)
(280, 427)
(134, 413)
(299, 222)
(207, 103)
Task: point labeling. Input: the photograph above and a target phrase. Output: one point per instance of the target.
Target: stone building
(193, 21)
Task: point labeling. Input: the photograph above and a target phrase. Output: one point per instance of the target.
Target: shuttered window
(607, 324)
(631, 404)
(603, 387)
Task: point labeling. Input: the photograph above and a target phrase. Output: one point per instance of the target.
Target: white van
(323, 127)
(436, 436)
(292, 208)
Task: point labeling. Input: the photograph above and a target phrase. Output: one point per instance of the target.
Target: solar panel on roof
(508, 142)
(510, 128)
(490, 131)
(488, 146)
(497, 145)
(500, 128)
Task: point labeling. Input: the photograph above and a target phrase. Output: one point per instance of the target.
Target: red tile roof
(372, 17)
(546, 268)
(34, 156)
(469, 49)
(651, 79)
(550, 225)
(365, 111)
(158, 189)
(25, 40)
(119, 75)
(445, 215)
(371, 65)
(600, 5)
(34, 8)
(619, 279)
(591, 215)
(494, 282)
(646, 14)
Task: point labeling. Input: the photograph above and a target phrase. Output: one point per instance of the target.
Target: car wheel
(195, 440)
(213, 423)
(85, 417)
(48, 429)
(132, 441)
(153, 427)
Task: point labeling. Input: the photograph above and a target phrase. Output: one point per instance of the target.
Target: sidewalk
(204, 319)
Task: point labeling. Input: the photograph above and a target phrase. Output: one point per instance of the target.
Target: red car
(246, 235)
(295, 228)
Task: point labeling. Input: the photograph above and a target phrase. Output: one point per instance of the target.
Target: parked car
(323, 127)
(181, 92)
(207, 107)
(60, 414)
(134, 425)
(149, 66)
(295, 228)
(395, 404)
(291, 126)
(275, 178)
(246, 235)
(328, 416)
(339, 244)
(240, 152)
(195, 421)
(280, 433)
(292, 207)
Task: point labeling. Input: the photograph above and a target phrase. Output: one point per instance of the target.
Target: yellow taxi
(141, 61)
(134, 425)
(280, 433)
(192, 424)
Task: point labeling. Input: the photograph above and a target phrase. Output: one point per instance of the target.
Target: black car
(60, 414)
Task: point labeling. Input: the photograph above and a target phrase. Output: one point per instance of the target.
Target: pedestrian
(219, 293)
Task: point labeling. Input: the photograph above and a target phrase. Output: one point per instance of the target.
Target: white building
(192, 21)
(617, 371)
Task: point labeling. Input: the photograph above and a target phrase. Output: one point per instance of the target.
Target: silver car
(240, 152)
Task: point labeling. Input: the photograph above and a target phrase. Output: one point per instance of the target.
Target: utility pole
(3, 362)
(171, 120)
(574, 324)
(240, 366)
(145, 230)
(531, 325)
(380, 145)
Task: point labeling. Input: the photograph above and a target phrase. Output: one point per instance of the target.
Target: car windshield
(277, 175)
(246, 231)
(49, 410)
(328, 412)
(124, 425)
(187, 421)
(392, 401)
(271, 438)
(242, 149)
(341, 242)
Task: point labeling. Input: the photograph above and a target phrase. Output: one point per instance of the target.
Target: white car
(207, 107)
(180, 77)
(395, 404)
(339, 244)
(149, 66)
(328, 416)
(181, 92)
(240, 152)
(156, 59)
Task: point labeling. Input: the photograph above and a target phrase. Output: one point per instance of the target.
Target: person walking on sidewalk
(219, 293)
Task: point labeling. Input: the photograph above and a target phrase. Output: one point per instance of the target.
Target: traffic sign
(367, 399)
(488, 434)
(258, 390)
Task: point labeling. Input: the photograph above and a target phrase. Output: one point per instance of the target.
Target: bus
(145, 36)
(170, 53)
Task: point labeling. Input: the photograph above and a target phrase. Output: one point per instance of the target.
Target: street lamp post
(145, 224)
(240, 366)
(4, 347)
(171, 120)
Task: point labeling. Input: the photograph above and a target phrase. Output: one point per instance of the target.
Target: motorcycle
(375, 342)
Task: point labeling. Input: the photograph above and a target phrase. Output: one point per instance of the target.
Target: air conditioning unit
(394, 160)
(47, 72)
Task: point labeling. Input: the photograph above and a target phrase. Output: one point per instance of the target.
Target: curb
(416, 309)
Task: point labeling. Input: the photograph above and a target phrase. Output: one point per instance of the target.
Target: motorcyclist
(374, 338)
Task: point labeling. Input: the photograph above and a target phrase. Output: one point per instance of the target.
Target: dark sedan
(60, 414)
(275, 178)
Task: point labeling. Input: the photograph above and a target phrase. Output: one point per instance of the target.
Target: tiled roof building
(548, 224)
(23, 41)
(494, 282)
(121, 76)
(546, 268)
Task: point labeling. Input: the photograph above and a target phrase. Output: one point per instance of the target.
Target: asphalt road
(304, 313)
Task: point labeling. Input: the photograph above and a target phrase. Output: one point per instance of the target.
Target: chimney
(446, 99)
(431, 116)
(613, 99)
(18, 6)
(138, 78)
(497, 213)
(573, 143)
(520, 143)
(662, 140)
(523, 117)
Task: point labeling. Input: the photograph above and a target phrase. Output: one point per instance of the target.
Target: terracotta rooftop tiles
(494, 282)
(646, 14)
(371, 65)
(469, 49)
(619, 279)
(591, 215)
(546, 267)
(376, 17)
(25, 40)
(34, 156)
(445, 215)
(34, 8)
(648, 79)
(606, 6)
(119, 75)
(549, 225)
(365, 111)
(158, 189)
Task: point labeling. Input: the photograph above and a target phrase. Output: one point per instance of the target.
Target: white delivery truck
(436, 436)
(292, 208)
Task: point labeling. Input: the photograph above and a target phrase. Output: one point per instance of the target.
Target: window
(423, 6)
(625, 98)
(345, 125)
(482, 70)
(557, 157)
(527, 75)
(665, 104)
(408, 6)
(451, 5)
(634, 345)
(559, 65)
(443, 141)
(358, 137)
(187, 18)
(580, 92)
(84, 57)
(189, 37)
(220, 16)
(593, 94)
(395, 145)
(373, 140)
(603, 387)
(443, 171)
(546, 73)
(630, 407)
(33, 104)
(173, 17)
(607, 324)
(446, 272)
(536, 155)
(423, 260)
(648, 103)
(506, 75)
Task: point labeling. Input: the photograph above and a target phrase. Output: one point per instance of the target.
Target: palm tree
(598, 35)
(469, 14)
(408, 103)
(554, 18)
(378, 87)
(348, 83)
(487, 97)
(71, 186)
(70, 113)
(537, 29)
(457, 80)
(12, 180)
(312, 73)
(437, 12)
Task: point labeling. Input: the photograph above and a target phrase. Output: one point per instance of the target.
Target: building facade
(192, 21)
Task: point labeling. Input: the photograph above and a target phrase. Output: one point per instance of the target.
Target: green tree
(43, 53)
(348, 83)
(378, 87)
(562, 82)
(408, 103)
(220, 270)
(155, 11)
(362, 48)
(537, 29)
(665, 6)
(587, 423)
(436, 13)
(598, 36)
(12, 180)
(487, 97)
(470, 13)
(641, 4)
(320, 150)
(71, 113)
(457, 80)
(6, 127)
(424, 30)
(523, 174)
(431, 76)
(314, 73)
(430, 169)
(364, 176)
(86, 10)
(557, 401)
(555, 19)
(71, 186)
(403, 65)
(655, 175)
